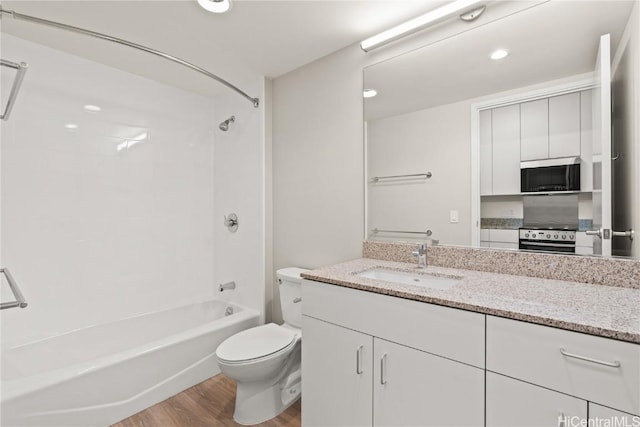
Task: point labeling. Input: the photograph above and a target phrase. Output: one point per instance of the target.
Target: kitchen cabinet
(534, 137)
(584, 243)
(506, 150)
(486, 168)
(555, 127)
(513, 403)
(406, 362)
(564, 125)
(499, 238)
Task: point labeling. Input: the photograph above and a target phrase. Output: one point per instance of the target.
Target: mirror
(449, 133)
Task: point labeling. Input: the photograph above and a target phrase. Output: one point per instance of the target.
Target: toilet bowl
(265, 360)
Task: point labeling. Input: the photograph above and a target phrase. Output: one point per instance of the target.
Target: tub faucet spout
(226, 286)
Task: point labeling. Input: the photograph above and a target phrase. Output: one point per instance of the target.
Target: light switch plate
(454, 217)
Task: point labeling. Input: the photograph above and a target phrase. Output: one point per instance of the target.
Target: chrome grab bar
(19, 302)
(413, 175)
(376, 231)
(615, 363)
(21, 69)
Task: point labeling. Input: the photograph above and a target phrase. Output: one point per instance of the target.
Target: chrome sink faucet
(421, 254)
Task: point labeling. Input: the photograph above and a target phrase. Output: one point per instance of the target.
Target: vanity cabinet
(594, 369)
(337, 375)
(598, 413)
(370, 359)
(513, 403)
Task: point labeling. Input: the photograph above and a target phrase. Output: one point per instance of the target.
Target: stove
(548, 239)
(550, 223)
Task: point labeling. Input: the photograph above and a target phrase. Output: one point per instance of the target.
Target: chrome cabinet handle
(359, 360)
(383, 369)
(615, 364)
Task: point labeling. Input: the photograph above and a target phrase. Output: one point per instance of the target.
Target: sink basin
(416, 279)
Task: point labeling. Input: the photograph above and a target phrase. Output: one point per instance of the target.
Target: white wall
(93, 234)
(435, 140)
(239, 178)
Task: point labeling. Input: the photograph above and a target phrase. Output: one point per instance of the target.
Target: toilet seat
(256, 343)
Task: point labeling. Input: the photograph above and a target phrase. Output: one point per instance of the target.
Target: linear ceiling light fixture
(417, 24)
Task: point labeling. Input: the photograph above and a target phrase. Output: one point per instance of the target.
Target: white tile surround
(94, 233)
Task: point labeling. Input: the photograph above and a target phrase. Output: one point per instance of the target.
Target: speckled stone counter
(607, 311)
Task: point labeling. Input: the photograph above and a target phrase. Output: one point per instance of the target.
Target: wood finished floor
(208, 404)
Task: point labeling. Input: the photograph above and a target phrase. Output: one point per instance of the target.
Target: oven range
(548, 239)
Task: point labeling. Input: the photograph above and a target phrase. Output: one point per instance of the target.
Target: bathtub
(99, 375)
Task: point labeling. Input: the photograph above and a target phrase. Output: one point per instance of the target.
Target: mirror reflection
(499, 137)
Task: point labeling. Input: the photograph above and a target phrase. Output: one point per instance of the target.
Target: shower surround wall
(120, 216)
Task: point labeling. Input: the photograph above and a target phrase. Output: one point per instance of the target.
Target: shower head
(224, 126)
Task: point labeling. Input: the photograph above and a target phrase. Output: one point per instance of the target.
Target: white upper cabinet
(534, 122)
(486, 169)
(564, 125)
(506, 150)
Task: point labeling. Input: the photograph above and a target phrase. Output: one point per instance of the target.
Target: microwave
(550, 175)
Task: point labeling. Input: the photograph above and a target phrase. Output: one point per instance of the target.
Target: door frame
(517, 96)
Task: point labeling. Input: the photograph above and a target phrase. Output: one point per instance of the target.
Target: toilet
(265, 360)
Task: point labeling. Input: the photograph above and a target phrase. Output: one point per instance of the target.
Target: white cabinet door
(506, 150)
(513, 403)
(336, 375)
(486, 168)
(564, 125)
(598, 416)
(534, 122)
(414, 388)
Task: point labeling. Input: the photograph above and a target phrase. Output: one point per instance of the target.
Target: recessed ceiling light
(92, 108)
(369, 93)
(215, 6)
(71, 126)
(499, 54)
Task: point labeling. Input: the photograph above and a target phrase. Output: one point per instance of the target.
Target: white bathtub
(99, 375)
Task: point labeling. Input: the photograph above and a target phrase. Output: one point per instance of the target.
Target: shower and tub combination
(109, 194)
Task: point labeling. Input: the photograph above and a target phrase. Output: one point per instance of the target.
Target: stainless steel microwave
(550, 175)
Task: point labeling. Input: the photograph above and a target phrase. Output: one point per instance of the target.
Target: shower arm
(34, 19)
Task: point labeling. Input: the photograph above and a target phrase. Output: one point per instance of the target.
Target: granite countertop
(606, 311)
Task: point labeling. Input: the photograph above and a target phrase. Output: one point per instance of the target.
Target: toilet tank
(290, 286)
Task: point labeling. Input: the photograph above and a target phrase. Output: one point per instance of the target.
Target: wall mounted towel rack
(413, 175)
(17, 294)
(377, 230)
(21, 69)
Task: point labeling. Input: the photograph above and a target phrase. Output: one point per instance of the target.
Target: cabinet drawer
(449, 332)
(484, 234)
(513, 403)
(507, 236)
(533, 353)
(583, 240)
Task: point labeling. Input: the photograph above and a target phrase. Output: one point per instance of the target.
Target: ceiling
(551, 41)
(256, 38)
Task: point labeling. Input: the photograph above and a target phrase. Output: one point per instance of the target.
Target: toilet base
(257, 402)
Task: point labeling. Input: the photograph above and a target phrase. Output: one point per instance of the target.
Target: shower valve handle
(231, 222)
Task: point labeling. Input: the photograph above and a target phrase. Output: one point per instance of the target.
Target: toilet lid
(255, 343)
